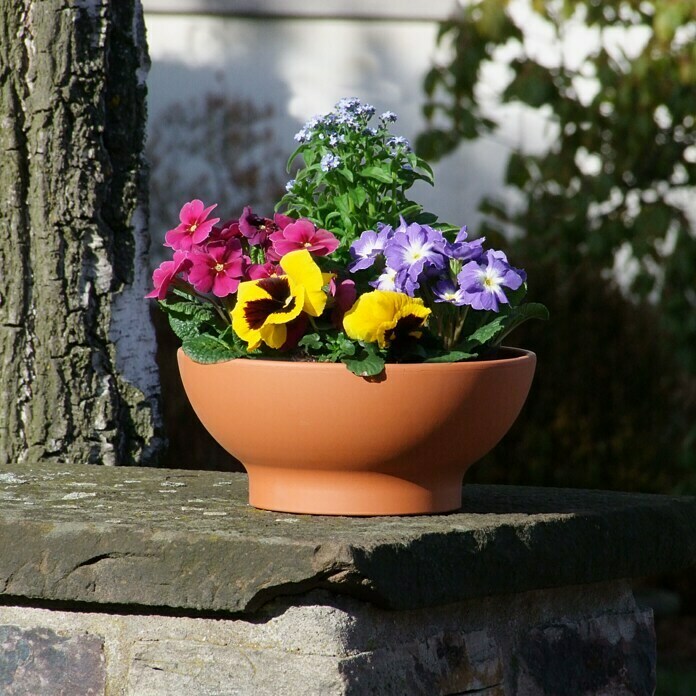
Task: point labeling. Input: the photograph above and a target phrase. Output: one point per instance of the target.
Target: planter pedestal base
(350, 492)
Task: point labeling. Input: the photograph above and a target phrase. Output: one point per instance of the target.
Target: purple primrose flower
(414, 247)
(482, 282)
(386, 281)
(462, 250)
(368, 247)
(445, 290)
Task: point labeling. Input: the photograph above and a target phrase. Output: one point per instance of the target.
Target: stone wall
(581, 640)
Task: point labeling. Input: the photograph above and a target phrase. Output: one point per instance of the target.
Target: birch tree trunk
(78, 380)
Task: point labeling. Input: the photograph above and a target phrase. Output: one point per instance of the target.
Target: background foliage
(615, 399)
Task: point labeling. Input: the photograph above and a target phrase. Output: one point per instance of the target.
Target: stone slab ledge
(180, 539)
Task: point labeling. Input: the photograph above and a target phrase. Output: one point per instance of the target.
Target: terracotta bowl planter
(316, 439)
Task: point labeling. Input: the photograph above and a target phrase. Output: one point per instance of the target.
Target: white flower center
(491, 280)
(415, 253)
(387, 280)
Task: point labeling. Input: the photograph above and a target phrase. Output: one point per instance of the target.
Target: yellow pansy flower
(265, 306)
(384, 316)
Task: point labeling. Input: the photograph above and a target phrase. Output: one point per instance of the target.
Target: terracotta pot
(316, 439)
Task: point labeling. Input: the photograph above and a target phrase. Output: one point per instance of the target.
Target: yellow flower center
(219, 267)
(194, 227)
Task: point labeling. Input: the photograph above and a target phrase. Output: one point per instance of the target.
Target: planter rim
(513, 356)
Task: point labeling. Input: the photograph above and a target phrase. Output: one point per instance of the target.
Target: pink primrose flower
(163, 276)
(194, 226)
(302, 234)
(218, 269)
(224, 232)
(261, 270)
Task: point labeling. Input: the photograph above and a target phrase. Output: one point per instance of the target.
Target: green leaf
(422, 164)
(378, 173)
(188, 307)
(182, 328)
(208, 349)
(332, 215)
(230, 338)
(369, 364)
(346, 173)
(291, 159)
(426, 218)
(532, 310)
(345, 348)
(487, 332)
(431, 81)
(409, 210)
(533, 85)
(518, 315)
(359, 196)
(516, 296)
(311, 341)
(517, 173)
(451, 356)
(187, 316)
(342, 203)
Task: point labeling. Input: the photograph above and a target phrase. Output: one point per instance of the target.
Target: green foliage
(617, 176)
(189, 318)
(363, 182)
(452, 356)
(209, 349)
(328, 347)
(368, 363)
(676, 682)
(609, 407)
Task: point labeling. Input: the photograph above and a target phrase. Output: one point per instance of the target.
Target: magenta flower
(224, 232)
(163, 276)
(258, 229)
(342, 296)
(194, 226)
(296, 329)
(257, 271)
(219, 269)
(302, 234)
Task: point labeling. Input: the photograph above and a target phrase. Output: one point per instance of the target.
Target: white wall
(303, 66)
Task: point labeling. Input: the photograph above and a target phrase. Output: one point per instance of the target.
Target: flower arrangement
(351, 271)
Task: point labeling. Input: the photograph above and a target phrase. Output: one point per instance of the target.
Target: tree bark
(78, 377)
